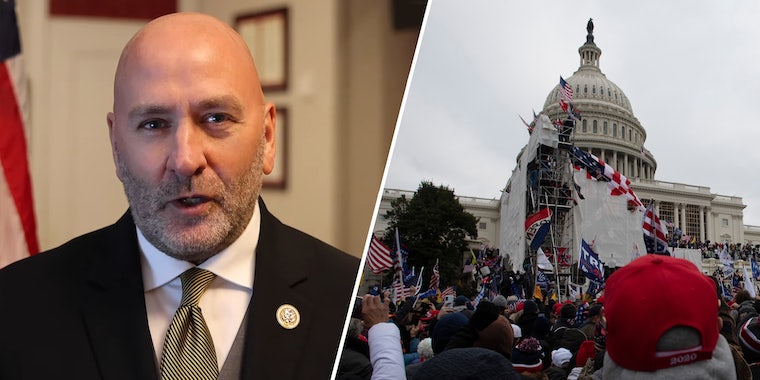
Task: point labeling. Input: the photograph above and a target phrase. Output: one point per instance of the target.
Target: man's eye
(153, 124)
(217, 118)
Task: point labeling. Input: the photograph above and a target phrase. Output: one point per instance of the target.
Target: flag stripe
(379, 256)
(434, 279)
(654, 231)
(565, 90)
(13, 150)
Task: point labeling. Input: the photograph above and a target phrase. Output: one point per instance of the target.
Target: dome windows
(584, 128)
(614, 130)
(604, 128)
(594, 128)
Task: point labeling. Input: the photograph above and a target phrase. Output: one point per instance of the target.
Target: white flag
(543, 261)
(748, 285)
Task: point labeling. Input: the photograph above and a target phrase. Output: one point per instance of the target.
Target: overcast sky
(691, 70)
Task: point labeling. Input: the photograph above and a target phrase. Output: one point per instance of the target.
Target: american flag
(597, 169)
(434, 279)
(378, 256)
(565, 91)
(654, 232)
(400, 292)
(18, 231)
(448, 292)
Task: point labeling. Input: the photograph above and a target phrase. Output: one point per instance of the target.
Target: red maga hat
(648, 297)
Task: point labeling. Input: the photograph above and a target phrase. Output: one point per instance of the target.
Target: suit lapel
(280, 268)
(114, 313)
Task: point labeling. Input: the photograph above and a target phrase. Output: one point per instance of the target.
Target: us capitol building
(611, 131)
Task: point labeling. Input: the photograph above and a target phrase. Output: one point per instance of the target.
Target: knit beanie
(528, 356)
(485, 314)
(498, 336)
(446, 327)
(749, 337)
(500, 301)
(530, 306)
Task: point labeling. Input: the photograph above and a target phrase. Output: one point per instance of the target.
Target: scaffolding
(550, 186)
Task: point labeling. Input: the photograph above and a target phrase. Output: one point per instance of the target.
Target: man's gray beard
(234, 205)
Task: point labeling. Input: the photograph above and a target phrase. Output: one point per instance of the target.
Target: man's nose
(187, 157)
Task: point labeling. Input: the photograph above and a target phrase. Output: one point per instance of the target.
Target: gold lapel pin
(288, 316)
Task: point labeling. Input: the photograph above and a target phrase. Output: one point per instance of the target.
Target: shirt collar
(234, 263)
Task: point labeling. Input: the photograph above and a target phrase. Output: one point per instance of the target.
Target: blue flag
(542, 280)
(594, 288)
(428, 293)
(589, 263)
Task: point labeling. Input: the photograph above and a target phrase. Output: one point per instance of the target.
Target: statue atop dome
(590, 30)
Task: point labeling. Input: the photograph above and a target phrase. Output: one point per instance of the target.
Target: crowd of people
(736, 251)
(659, 317)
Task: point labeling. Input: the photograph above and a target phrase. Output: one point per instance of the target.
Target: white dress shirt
(223, 304)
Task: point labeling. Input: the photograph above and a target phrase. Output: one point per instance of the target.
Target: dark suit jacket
(78, 311)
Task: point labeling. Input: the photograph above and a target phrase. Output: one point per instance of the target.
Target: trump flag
(589, 263)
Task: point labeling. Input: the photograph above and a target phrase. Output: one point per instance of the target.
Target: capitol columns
(676, 215)
(702, 223)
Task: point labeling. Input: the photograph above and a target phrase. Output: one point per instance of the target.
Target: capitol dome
(608, 128)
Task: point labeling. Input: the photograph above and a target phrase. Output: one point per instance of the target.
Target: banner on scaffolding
(537, 227)
(563, 257)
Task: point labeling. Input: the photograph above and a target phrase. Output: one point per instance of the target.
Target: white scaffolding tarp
(512, 230)
(605, 221)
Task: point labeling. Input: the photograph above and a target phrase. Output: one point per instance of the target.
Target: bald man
(191, 136)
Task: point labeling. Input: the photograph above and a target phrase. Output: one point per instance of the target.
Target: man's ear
(110, 120)
(269, 136)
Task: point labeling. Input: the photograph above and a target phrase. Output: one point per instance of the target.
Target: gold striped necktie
(188, 348)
